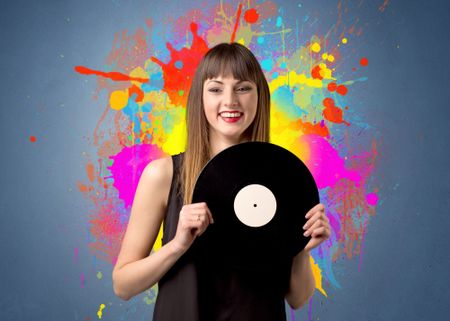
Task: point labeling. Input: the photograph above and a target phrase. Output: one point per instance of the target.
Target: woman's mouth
(231, 117)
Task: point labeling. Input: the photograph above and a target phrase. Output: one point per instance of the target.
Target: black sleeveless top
(191, 292)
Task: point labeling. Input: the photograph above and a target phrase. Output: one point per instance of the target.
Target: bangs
(227, 61)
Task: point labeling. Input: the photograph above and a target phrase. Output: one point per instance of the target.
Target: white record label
(255, 205)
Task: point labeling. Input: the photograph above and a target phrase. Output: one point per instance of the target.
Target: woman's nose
(230, 98)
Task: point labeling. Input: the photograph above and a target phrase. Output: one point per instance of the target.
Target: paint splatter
(114, 75)
(251, 15)
(178, 78)
(33, 139)
(372, 199)
(383, 6)
(364, 62)
(100, 310)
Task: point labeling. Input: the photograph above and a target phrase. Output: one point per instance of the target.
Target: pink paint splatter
(325, 164)
(128, 166)
(372, 199)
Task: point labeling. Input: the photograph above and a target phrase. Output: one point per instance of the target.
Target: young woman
(228, 103)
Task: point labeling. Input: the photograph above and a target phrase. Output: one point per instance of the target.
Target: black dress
(191, 292)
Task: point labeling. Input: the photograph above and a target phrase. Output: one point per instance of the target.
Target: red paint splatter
(332, 112)
(342, 90)
(33, 139)
(113, 75)
(353, 69)
(316, 73)
(108, 231)
(136, 90)
(238, 16)
(178, 80)
(332, 86)
(251, 15)
(364, 61)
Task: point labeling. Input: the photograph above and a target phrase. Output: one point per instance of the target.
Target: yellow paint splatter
(241, 41)
(150, 295)
(324, 56)
(317, 275)
(176, 142)
(325, 72)
(100, 310)
(118, 99)
(293, 79)
(315, 47)
(344, 40)
(330, 58)
(99, 275)
(158, 242)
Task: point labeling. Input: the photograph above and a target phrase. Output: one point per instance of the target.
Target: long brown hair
(221, 60)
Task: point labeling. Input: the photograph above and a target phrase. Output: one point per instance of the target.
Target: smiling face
(230, 107)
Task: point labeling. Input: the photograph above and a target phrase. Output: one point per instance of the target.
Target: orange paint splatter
(316, 73)
(251, 15)
(177, 80)
(136, 90)
(342, 90)
(310, 128)
(333, 113)
(90, 171)
(33, 139)
(238, 16)
(84, 188)
(364, 61)
(113, 75)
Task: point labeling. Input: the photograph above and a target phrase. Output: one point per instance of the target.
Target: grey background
(405, 269)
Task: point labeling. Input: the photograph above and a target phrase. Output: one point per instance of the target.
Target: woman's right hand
(192, 222)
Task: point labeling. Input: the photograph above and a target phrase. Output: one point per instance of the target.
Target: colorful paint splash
(313, 81)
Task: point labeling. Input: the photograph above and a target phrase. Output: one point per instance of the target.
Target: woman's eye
(214, 90)
(241, 89)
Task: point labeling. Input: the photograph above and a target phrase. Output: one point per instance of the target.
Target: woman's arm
(136, 270)
(302, 283)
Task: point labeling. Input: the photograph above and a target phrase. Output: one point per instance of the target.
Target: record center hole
(254, 205)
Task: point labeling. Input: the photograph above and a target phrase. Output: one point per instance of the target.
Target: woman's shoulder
(159, 169)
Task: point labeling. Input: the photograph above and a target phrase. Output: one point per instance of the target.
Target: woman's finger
(318, 207)
(318, 223)
(313, 219)
(319, 232)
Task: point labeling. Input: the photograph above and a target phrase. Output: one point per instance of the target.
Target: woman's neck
(219, 144)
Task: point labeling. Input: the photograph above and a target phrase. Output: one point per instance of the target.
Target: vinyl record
(258, 194)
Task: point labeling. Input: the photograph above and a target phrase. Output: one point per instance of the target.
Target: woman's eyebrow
(219, 82)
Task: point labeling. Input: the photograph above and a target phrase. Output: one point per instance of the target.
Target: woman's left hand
(317, 226)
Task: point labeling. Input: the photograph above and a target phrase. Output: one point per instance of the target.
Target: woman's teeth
(230, 115)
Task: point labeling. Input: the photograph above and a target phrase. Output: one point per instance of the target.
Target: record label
(255, 205)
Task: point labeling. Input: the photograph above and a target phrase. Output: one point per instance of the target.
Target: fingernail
(304, 226)
(304, 234)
